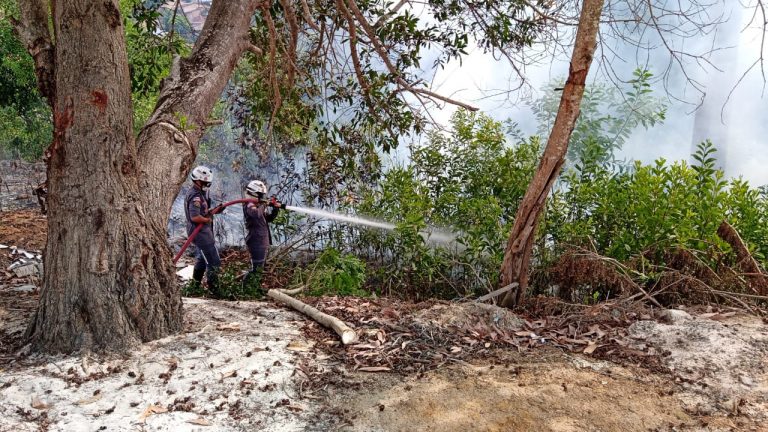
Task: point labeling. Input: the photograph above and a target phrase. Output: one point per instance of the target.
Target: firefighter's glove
(273, 202)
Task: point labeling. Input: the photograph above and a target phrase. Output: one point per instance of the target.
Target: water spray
(432, 235)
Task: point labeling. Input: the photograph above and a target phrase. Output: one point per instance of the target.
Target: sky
(742, 128)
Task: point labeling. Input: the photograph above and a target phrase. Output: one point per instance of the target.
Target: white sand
(206, 359)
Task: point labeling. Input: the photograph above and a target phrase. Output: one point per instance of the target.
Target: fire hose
(212, 212)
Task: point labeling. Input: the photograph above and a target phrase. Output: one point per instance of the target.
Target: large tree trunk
(517, 254)
(109, 279)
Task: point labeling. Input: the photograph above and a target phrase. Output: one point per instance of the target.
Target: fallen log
(347, 335)
(747, 263)
(293, 291)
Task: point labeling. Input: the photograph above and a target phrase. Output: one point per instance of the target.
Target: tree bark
(517, 254)
(33, 32)
(168, 143)
(109, 280)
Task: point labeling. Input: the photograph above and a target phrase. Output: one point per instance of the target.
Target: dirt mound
(720, 359)
(467, 315)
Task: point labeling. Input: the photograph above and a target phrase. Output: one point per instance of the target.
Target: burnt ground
(17, 182)
(25, 229)
(427, 366)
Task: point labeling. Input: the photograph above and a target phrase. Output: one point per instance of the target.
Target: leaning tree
(602, 27)
(109, 282)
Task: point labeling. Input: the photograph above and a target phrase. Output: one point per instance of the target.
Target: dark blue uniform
(198, 204)
(257, 217)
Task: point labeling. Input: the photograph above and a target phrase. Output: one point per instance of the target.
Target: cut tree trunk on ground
(347, 335)
(757, 280)
(293, 291)
(517, 255)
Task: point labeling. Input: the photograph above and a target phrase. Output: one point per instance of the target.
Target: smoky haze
(737, 128)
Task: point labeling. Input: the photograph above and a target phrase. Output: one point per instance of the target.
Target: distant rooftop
(194, 10)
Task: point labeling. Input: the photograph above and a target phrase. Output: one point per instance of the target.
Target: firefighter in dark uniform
(198, 211)
(258, 239)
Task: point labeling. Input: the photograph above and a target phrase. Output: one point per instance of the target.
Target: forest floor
(431, 366)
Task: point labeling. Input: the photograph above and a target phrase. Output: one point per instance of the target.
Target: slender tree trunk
(517, 254)
(109, 279)
(168, 143)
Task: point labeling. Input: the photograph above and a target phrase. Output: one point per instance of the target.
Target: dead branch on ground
(756, 279)
(347, 335)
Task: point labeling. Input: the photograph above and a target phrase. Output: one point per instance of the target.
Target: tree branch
(187, 97)
(278, 100)
(173, 28)
(382, 52)
(383, 19)
(308, 15)
(33, 32)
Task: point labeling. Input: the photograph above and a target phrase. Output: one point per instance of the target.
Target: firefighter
(198, 211)
(258, 239)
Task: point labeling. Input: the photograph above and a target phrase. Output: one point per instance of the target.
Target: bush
(231, 286)
(334, 273)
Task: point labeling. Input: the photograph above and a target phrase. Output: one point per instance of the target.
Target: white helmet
(202, 173)
(255, 188)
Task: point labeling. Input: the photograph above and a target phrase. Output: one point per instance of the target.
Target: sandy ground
(234, 368)
(716, 381)
(532, 394)
(720, 361)
(244, 366)
(249, 366)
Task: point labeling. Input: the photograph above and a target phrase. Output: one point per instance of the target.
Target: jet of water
(431, 235)
(342, 218)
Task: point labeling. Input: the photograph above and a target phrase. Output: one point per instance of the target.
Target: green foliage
(193, 288)
(608, 117)
(25, 119)
(25, 136)
(150, 52)
(231, 285)
(655, 207)
(470, 179)
(323, 93)
(334, 273)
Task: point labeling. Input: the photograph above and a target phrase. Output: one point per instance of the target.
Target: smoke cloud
(732, 112)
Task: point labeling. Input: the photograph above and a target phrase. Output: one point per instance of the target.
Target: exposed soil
(544, 393)
(23, 228)
(434, 366)
(549, 390)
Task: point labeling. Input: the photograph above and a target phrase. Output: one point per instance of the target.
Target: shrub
(334, 273)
